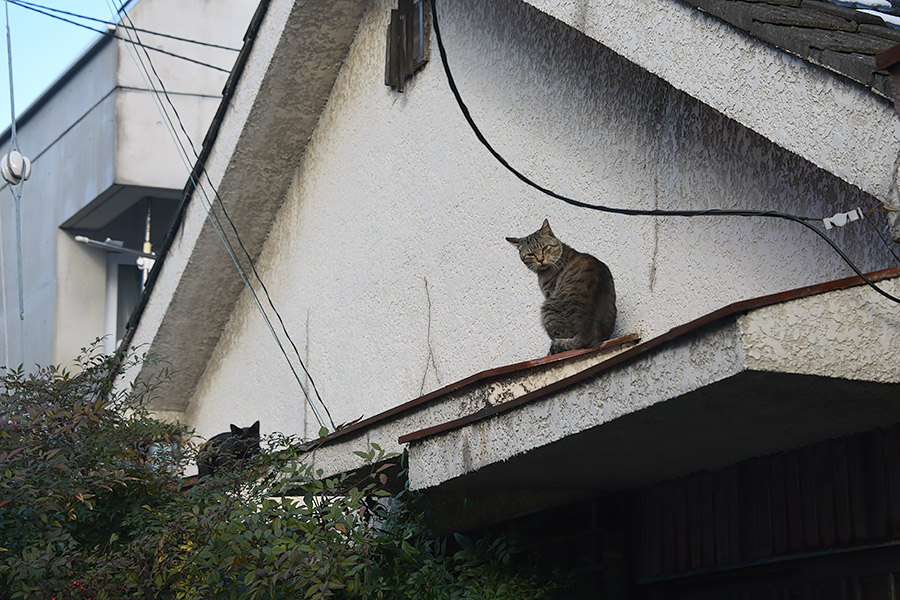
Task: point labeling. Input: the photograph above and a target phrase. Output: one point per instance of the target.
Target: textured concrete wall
(387, 258)
(853, 334)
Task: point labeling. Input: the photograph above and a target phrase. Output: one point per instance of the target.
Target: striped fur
(579, 309)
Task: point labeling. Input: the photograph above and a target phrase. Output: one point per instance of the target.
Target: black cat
(221, 449)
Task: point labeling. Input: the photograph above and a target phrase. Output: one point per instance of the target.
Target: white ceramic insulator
(15, 168)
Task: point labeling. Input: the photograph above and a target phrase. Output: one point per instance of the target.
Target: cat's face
(540, 250)
(245, 440)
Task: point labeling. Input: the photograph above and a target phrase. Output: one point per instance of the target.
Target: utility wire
(13, 141)
(214, 221)
(240, 241)
(3, 291)
(233, 227)
(16, 191)
(108, 33)
(629, 211)
(41, 7)
(218, 226)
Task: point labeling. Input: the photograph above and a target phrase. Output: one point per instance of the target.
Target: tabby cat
(221, 449)
(579, 309)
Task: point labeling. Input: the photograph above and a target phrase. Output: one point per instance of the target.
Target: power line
(16, 191)
(41, 7)
(216, 224)
(234, 229)
(108, 33)
(220, 231)
(629, 211)
(238, 237)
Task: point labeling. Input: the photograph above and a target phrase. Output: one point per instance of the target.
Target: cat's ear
(545, 228)
(235, 429)
(514, 241)
(254, 429)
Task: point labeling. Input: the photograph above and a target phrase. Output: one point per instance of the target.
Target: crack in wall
(429, 358)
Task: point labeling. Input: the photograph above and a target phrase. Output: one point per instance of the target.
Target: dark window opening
(405, 43)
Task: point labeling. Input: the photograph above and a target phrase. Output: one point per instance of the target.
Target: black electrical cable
(118, 37)
(41, 7)
(628, 211)
(224, 212)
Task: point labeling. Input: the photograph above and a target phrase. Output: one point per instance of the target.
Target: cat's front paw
(554, 349)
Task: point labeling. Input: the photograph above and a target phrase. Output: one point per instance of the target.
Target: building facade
(376, 221)
(105, 165)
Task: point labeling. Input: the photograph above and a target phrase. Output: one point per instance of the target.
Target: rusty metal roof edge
(734, 309)
(360, 425)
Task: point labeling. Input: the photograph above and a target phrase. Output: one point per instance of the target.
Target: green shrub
(93, 504)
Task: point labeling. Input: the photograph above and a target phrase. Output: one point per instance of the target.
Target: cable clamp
(841, 219)
(145, 264)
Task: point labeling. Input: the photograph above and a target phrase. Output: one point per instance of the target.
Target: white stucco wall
(394, 191)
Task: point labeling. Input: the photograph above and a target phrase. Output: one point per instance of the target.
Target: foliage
(93, 504)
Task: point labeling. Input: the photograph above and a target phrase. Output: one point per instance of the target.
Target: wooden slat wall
(838, 493)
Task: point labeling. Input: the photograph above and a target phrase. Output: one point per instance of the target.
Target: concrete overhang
(752, 383)
(750, 379)
(836, 124)
(112, 203)
(270, 108)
